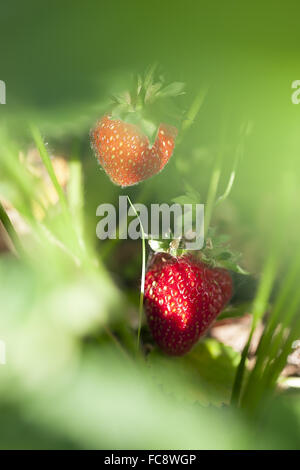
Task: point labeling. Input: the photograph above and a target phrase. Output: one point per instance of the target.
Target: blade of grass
(289, 312)
(24, 182)
(10, 230)
(270, 342)
(268, 381)
(282, 312)
(281, 300)
(75, 198)
(49, 167)
(71, 233)
(259, 306)
(275, 367)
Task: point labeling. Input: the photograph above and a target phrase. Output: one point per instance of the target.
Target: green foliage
(69, 308)
(204, 376)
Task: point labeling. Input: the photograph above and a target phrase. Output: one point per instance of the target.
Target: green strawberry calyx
(216, 251)
(141, 105)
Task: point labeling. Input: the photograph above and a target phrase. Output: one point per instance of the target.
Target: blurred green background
(61, 63)
(66, 384)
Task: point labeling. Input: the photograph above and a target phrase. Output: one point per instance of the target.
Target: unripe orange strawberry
(124, 152)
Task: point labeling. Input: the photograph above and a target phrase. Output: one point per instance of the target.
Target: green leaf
(149, 129)
(234, 312)
(224, 255)
(149, 76)
(221, 239)
(119, 111)
(152, 91)
(205, 375)
(184, 199)
(159, 245)
(122, 98)
(233, 267)
(174, 89)
(139, 83)
(190, 197)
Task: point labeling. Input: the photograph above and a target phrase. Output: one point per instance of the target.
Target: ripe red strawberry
(183, 296)
(223, 278)
(124, 152)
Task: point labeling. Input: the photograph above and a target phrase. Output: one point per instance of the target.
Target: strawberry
(124, 152)
(223, 278)
(165, 143)
(183, 296)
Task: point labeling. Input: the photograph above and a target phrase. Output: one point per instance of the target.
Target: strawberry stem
(143, 274)
(191, 114)
(214, 183)
(238, 154)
